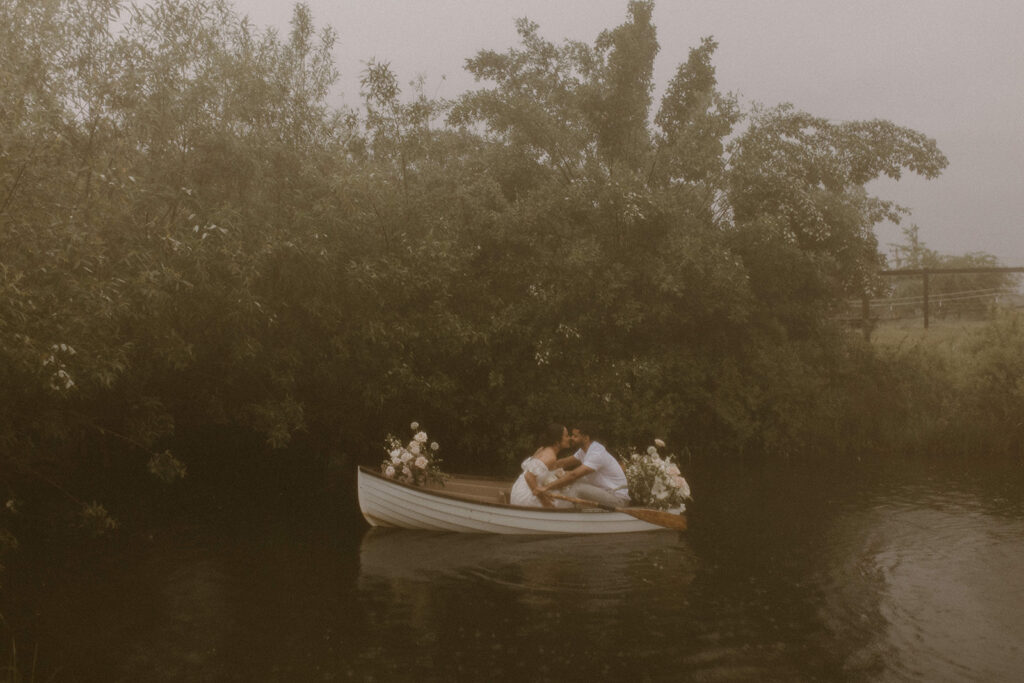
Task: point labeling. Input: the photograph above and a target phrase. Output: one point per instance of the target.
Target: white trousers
(597, 494)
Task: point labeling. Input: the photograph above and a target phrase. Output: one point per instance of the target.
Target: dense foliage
(193, 242)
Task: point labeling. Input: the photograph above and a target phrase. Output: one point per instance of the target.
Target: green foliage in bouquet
(415, 462)
(655, 480)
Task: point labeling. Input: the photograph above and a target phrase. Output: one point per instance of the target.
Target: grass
(12, 674)
(941, 334)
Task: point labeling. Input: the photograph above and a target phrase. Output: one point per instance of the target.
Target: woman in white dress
(537, 472)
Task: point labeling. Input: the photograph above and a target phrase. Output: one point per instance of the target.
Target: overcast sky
(949, 68)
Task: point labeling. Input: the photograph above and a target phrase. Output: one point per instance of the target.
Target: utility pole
(924, 278)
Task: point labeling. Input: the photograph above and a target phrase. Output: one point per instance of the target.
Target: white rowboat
(477, 505)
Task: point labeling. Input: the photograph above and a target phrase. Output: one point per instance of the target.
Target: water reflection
(947, 599)
(195, 624)
(539, 606)
(861, 575)
(155, 611)
(913, 583)
(611, 565)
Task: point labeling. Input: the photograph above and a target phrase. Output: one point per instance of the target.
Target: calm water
(876, 573)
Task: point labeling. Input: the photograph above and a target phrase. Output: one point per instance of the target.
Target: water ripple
(606, 565)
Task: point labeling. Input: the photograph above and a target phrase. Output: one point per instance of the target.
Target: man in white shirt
(594, 473)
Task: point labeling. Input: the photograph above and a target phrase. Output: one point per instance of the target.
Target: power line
(961, 295)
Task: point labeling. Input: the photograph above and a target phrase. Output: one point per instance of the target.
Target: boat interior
(477, 489)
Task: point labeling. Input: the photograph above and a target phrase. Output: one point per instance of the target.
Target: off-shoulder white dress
(521, 493)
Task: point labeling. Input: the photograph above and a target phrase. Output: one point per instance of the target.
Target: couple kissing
(591, 472)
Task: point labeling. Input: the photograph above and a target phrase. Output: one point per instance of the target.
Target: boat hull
(387, 503)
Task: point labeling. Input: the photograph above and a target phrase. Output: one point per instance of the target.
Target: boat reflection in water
(491, 606)
(611, 567)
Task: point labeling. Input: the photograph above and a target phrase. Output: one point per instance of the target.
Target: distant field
(940, 333)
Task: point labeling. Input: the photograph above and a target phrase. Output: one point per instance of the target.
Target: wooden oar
(659, 517)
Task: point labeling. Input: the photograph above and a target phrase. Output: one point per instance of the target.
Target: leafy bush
(195, 242)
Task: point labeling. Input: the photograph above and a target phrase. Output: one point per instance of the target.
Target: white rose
(389, 472)
(421, 462)
(673, 470)
(659, 443)
(421, 437)
(652, 450)
(434, 446)
(406, 471)
(414, 446)
(406, 456)
(414, 426)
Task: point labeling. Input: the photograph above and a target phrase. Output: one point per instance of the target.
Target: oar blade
(668, 520)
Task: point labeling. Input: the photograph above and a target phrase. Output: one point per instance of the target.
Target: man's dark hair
(586, 428)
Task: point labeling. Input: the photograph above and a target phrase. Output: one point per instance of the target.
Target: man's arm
(569, 462)
(565, 479)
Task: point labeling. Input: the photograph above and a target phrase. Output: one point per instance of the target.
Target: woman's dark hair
(552, 435)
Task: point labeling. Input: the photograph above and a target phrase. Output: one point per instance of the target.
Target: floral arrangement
(655, 480)
(415, 462)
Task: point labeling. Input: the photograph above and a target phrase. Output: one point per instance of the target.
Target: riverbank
(957, 386)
